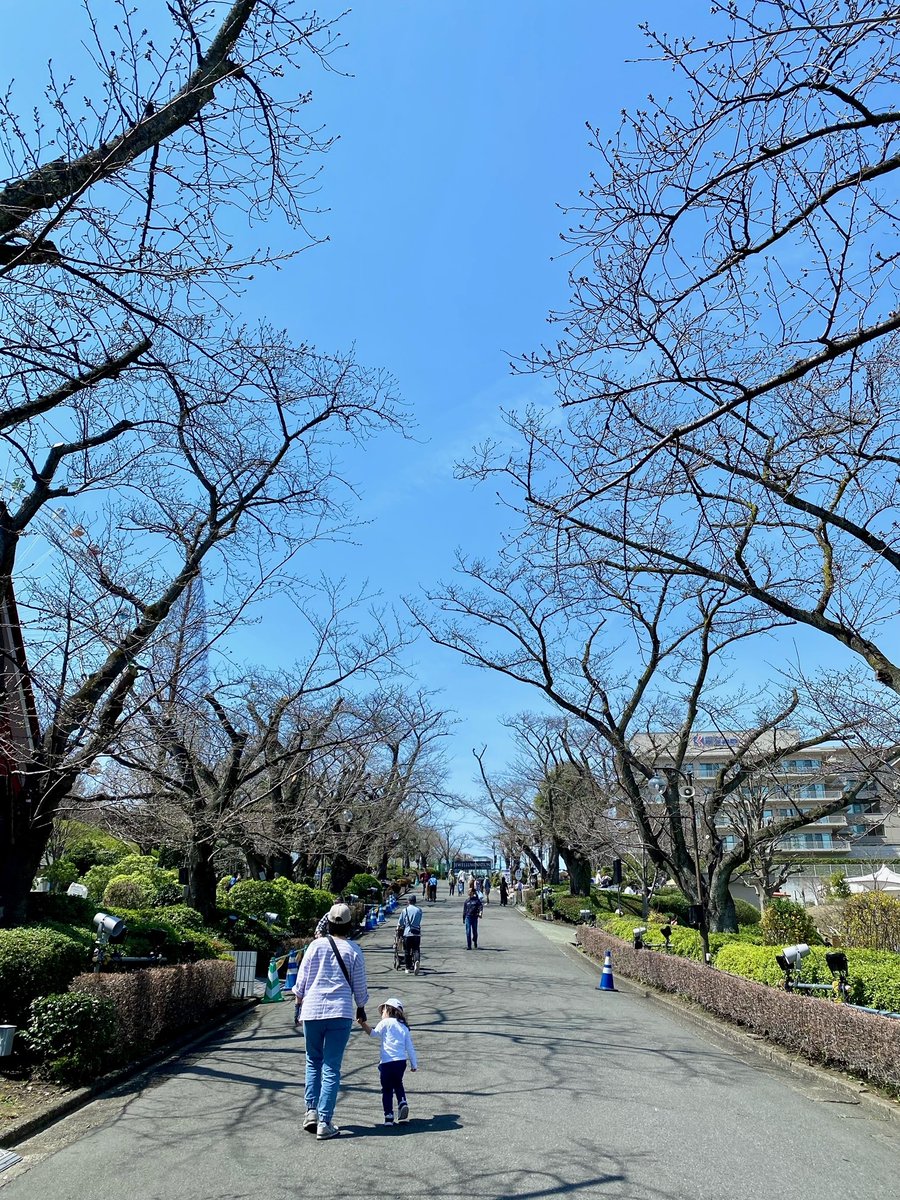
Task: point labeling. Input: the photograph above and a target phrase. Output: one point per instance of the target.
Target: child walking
(396, 1048)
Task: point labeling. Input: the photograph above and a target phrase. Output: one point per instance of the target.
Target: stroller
(400, 952)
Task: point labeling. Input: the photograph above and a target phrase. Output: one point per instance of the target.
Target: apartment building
(866, 830)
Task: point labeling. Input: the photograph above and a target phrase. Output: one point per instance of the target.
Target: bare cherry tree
(729, 355)
(642, 661)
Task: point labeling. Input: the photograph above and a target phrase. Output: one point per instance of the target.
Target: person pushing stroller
(409, 928)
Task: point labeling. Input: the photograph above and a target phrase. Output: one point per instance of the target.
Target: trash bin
(7, 1033)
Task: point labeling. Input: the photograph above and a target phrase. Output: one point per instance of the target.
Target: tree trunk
(23, 841)
(579, 869)
(342, 871)
(722, 912)
(202, 879)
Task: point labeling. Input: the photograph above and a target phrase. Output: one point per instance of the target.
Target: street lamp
(687, 792)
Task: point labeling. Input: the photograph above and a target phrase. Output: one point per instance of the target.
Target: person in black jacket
(472, 910)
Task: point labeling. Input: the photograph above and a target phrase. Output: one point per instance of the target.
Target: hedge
(33, 962)
(149, 930)
(874, 975)
(819, 1030)
(154, 1005)
(73, 1036)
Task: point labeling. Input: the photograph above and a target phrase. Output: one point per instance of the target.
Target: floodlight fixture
(837, 962)
(638, 935)
(109, 929)
(794, 954)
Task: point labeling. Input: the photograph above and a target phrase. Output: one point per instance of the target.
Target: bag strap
(341, 962)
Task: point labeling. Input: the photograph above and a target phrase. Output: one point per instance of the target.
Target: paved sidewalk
(531, 1084)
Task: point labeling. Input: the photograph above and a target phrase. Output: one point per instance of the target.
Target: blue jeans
(471, 931)
(326, 1042)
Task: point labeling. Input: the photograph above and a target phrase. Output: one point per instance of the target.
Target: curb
(20, 1131)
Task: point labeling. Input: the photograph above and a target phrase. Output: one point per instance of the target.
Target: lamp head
(794, 954)
(109, 928)
(837, 962)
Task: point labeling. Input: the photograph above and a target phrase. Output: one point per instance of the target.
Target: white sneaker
(407, 970)
(403, 1113)
(311, 1120)
(416, 969)
(326, 1130)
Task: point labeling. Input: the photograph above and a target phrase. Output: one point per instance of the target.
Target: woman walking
(330, 984)
(472, 910)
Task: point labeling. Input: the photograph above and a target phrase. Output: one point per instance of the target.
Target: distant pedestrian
(487, 889)
(451, 881)
(504, 891)
(396, 1050)
(519, 890)
(423, 879)
(472, 910)
(332, 977)
(432, 888)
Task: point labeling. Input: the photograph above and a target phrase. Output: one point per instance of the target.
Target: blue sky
(461, 128)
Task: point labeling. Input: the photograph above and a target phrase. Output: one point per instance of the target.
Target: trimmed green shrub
(359, 885)
(97, 879)
(73, 1035)
(33, 962)
(149, 932)
(256, 897)
(88, 847)
(302, 905)
(874, 975)
(834, 1034)
(183, 917)
(128, 891)
(785, 922)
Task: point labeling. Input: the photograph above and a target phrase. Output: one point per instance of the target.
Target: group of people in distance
(331, 993)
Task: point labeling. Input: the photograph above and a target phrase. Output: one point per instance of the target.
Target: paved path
(532, 1084)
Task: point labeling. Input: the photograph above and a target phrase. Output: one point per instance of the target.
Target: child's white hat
(393, 1002)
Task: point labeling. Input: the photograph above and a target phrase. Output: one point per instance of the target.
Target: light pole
(686, 791)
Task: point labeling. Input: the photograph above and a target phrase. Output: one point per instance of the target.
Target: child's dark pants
(392, 1084)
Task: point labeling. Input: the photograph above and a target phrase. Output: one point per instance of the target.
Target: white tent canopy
(882, 880)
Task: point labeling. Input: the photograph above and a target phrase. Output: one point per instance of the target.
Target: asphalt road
(531, 1084)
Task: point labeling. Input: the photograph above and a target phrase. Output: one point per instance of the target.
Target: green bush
(785, 922)
(88, 847)
(568, 908)
(97, 879)
(874, 975)
(255, 897)
(359, 885)
(872, 920)
(73, 1035)
(33, 962)
(303, 905)
(60, 874)
(128, 891)
(183, 917)
(149, 932)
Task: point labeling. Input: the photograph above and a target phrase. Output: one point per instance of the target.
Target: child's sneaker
(326, 1130)
(404, 1112)
(388, 1118)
